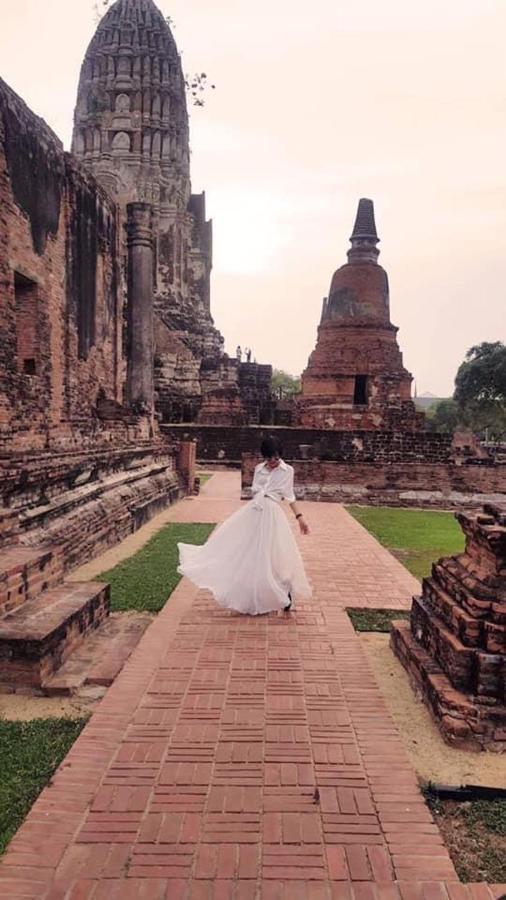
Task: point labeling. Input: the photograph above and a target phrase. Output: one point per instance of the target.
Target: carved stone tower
(355, 377)
(131, 129)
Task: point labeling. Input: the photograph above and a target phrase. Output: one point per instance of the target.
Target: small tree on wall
(196, 85)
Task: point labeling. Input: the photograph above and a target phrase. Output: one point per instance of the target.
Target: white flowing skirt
(250, 563)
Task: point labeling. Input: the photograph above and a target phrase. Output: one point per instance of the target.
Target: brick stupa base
(454, 648)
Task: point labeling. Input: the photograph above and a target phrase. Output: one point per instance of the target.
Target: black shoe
(289, 604)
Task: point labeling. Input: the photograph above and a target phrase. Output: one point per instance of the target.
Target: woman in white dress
(251, 562)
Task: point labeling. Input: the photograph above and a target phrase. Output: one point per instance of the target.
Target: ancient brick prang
(455, 647)
(355, 377)
(131, 130)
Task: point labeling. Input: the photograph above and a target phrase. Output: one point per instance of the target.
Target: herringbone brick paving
(244, 759)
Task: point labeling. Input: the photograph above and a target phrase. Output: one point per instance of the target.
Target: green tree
(283, 384)
(482, 375)
(480, 388)
(445, 417)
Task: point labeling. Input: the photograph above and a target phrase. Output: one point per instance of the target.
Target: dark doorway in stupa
(360, 397)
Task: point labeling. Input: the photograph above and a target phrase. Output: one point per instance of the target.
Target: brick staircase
(57, 635)
(43, 619)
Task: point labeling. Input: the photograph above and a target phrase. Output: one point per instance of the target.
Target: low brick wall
(219, 443)
(426, 485)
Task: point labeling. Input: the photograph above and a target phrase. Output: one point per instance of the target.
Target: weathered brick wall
(86, 501)
(437, 485)
(221, 443)
(454, 648)
(235, 393)
(61, 318)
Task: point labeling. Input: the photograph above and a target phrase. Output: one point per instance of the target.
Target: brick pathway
(244, 759)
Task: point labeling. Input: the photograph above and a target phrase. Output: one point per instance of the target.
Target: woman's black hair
(270, 448)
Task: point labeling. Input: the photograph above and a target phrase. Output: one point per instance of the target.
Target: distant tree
(283, 384)
(482, 375)
(196, 84)
(480, 389)
(445, 417)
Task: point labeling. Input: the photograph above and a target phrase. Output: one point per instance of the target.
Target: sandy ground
(24, 708)
(432, 758)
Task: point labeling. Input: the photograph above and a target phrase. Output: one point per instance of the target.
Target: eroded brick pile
(455, 646)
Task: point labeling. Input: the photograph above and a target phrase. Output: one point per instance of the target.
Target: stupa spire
(364, 239)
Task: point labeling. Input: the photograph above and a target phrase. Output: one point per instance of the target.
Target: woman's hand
(304, 527)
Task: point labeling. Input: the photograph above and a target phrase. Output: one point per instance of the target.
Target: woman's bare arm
(304, 527)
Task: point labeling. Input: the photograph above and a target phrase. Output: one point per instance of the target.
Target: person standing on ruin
(251, 563)
(238, 353)
(248, 355)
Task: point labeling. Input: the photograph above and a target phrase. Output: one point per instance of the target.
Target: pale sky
(316, 105)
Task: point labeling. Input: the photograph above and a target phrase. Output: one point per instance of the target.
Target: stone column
(140, 384)
(187, 463)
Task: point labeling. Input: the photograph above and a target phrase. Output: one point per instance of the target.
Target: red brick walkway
(244, 759)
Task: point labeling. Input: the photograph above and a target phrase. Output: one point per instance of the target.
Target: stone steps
(81, 494)
(99, 517)
(39, 636)
(25, 572)
(101, 656)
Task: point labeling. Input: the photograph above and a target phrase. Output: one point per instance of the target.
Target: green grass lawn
(416, 537)
(30, 752)
(377, 620)
(145, 581)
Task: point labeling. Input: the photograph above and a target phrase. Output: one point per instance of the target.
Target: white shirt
(274, 483)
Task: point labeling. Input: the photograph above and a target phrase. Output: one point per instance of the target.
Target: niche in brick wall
(360, 397)
(27, 332)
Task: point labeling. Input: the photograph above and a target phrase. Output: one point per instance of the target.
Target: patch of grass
(30, 752)
(416, 537)
(145, 581)
(491, 813)
(378, 620)
(204, 476)
(475, 835)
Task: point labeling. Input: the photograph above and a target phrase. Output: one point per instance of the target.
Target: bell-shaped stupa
(355, 378)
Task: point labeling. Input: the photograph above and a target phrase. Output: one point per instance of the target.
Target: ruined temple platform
(246, 759)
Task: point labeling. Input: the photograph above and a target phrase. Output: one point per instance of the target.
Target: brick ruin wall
(217, 444)
(408, 483)
(76, 464)
(62, 316)
(397, 468)
(85, 502)
(454, 647)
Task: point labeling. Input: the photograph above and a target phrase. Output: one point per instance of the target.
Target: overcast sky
(318, 104)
